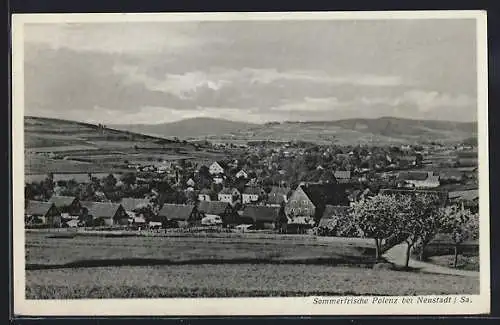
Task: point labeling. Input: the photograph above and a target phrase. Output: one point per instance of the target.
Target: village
(284, 188)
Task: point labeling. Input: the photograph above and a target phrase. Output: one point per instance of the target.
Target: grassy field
(45, 249)
(238, 280)
(140, 267)
(469, 263)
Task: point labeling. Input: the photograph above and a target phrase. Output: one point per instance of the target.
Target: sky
(252, 71)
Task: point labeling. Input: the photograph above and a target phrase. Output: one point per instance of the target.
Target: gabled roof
(252, 190)
(213, 207)
(62, 201)
(275, 190)
(322, 194)
(177, 211)
(130, 204)
(417, 176)
(38, 208)
(261, 213)
(342, 174)
(101, 209)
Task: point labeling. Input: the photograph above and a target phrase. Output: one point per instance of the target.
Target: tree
(110, 182)
(461, 224)
(377, 217)
(419, 220)
(128, 178)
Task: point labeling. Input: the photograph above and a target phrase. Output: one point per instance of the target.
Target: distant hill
(349, 131)
(190, 128)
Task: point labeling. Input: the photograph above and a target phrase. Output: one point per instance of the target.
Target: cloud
(309, 105)
(427, 101)
(118, 38)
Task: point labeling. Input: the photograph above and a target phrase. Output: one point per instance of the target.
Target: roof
(261, 213)
(252, 190)
(101, 209)
(227, 190)
(176, 211)
(275, 190)
(344, 174)
(322, 194)
(130, 204)
(62, 201)
(38, 208)
(417, 176)
(469, 195)
(213, 207)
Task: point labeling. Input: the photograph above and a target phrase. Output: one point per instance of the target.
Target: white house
(204, 195)
(229, 195)
(252, 194)
(216, 168)
(190, 182)
(241, 174)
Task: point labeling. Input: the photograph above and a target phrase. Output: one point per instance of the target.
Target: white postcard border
(238, 306)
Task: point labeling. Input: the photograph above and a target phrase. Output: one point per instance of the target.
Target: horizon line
(261, 123)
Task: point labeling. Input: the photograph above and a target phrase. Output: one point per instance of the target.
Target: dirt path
(397, 255)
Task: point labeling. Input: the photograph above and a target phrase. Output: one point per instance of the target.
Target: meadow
(67, 267)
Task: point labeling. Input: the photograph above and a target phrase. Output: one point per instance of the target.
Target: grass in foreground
(42, 250)
(237, 280)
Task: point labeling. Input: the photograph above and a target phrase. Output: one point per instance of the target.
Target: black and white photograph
(316, 163)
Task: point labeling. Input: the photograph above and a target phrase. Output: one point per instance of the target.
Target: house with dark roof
(263, 217)
(105, 213)
(67, 205)
(229, 195)
(277, 196)
(224, 210)
(309, 200)
(182, 214)
(252, 194)
(418, 179)
(42, 213)
(469, 199)
(130, 204)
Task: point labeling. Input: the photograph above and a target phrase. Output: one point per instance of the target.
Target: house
(182, 214)
(263, 217)
(68, 205)
(252, 195)
(42, 213)
(190, 182)
(242, 174)
(309, 200)
(229, 195)
(451, 176)
(216, 168)
(277, 196)
(342, 176)
(418, 179)
(218, 208)
(205, 195)
(105, 213)
(130, 204)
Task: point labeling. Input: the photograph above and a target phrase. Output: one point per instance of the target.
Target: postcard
(273, 163)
